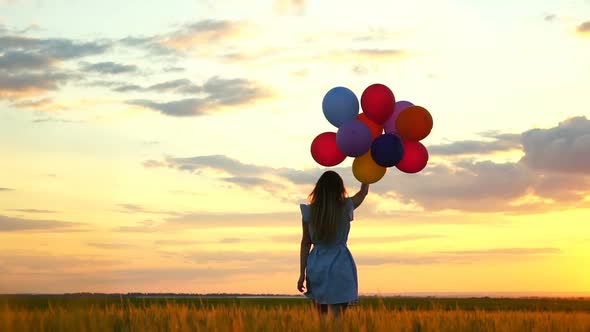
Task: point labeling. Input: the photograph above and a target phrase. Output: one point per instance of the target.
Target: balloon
(378, 102)
(389, 124)
(366, 170)
(325, 151)
(415, 157)
(340, 105)
(414, 123)
(387, 150)
(376, 129)
(354, 138)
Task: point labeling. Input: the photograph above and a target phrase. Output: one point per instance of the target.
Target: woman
(329, 271)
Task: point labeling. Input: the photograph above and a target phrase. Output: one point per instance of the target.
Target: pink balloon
(389, 124)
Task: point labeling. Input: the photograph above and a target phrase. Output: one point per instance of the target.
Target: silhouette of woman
(328, 270)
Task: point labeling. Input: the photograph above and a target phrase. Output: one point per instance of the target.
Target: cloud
(150, 44)
(112, 246)
(247, 176)
(54, 119)
(35, 272)
(132, 207)
(235, 91)
(184, 107)
(466, 186)
(182, 86)
(455, 257)
(393, 238)
(177, 242)
(201, 33)
(146, 226)
(463, 184)
(31, 66)
(179, 85)
(33, 53)
(550, 17)
(219, 93)
(251, 262)
(20, 60)
(34, 104)
(14, 224)
(565, 148)
(289, 7)
(33, 211)
(196, 220)
(31, 84)
(199, 36)
(584, 28)
(230, 240)
(360, 70)
(136, 208)
(235, 171)
(379, 53)
(43, 262)
(128, 88)
(174, 69)
(504, 251)
(441, 187)
(109, 67)
(218, 162)
(500, 142)
(321, 54)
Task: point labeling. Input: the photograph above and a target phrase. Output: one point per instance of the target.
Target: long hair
(327, 201)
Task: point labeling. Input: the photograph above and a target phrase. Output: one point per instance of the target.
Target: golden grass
(183, 317)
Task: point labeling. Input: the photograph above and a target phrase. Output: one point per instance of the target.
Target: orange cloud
(202, 33)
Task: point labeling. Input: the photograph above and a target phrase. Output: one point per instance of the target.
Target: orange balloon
(366, 170)
(376, 129)
(414, 123)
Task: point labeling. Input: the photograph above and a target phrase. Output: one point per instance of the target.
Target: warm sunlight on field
(187, 318)
(198, 314)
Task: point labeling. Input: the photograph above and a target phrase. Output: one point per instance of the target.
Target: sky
(165, 147)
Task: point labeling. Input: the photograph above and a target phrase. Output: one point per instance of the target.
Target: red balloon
(378, 102)
(415, 157)
(376, 129)
(325, 151)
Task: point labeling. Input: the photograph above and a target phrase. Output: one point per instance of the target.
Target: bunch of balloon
(385, 134)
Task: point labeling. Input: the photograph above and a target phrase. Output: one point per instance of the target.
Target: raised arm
(358, 198)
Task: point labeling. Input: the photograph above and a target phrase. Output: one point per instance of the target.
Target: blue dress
(331, 271)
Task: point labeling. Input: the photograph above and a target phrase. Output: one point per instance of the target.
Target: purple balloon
(389, 124)
(354, 138)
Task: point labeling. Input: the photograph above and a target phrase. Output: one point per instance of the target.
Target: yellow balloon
(366, 170)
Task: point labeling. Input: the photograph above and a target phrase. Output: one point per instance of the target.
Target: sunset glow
(151, 147)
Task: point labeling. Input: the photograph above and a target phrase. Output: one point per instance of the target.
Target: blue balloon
(354, 138)
(340, 105)
(387, 150)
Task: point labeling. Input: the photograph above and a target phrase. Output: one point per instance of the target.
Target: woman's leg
(321, 308)
(337, 310)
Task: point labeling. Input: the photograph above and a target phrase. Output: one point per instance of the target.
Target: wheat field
(231, 316)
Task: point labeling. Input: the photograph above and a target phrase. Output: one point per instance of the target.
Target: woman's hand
(300, 282)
